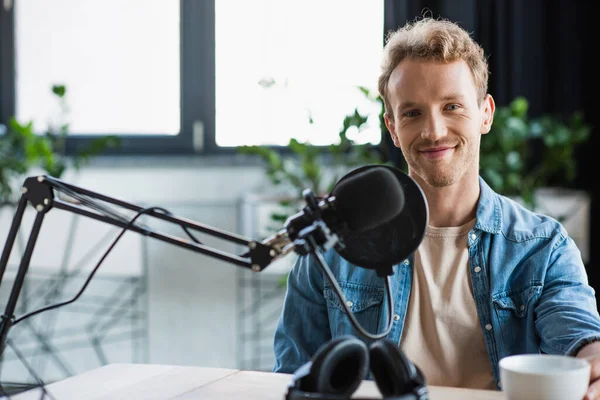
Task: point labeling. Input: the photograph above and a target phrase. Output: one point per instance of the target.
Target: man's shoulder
(338, 263)
(518, 222)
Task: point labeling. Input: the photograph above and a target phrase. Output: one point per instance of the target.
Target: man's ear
(389, 123)
(489, 107)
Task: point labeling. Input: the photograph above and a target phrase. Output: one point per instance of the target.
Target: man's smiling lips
(436, 152)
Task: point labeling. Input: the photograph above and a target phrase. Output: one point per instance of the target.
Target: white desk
(165, 382)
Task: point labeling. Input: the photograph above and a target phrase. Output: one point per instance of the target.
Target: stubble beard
(442, 173)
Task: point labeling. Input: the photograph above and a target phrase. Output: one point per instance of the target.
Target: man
(490, 278)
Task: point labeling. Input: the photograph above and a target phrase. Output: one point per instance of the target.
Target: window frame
(197, 83)
(197, 135)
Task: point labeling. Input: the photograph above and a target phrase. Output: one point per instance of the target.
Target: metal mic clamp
(317, 236)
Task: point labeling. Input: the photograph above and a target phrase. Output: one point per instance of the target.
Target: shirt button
(396, 317)
(488, 327)
(406, 262)
(477, 269)
(348, 304)
(473, 236)
(522, 308)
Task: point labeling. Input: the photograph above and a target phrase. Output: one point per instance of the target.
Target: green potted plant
(521, 155)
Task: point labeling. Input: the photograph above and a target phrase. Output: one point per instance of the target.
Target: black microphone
(368, 198)
(392, 241)
(360, 202)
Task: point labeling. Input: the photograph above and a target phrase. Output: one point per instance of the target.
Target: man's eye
(412, 113)
(453, 107)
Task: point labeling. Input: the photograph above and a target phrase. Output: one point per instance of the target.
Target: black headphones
(338, 368)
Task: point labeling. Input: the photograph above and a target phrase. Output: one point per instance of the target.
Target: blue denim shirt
(528, 278)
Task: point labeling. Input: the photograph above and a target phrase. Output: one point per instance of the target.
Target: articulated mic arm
(39, 192)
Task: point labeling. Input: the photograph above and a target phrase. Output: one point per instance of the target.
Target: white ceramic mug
(544, 377)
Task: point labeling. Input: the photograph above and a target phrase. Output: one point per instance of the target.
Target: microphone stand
(39, 192)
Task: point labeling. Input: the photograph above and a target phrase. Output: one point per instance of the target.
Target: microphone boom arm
(39, 192)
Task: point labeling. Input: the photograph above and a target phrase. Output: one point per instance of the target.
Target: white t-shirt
(442, 334)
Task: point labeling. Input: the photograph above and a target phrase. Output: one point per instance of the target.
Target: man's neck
(453, 205)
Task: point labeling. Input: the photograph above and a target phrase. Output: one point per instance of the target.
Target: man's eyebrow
(406, 104)
(453, 96)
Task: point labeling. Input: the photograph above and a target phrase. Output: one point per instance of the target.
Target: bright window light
(119, 60)
(291, 69)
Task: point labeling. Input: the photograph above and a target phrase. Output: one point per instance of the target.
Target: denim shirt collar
(489, 210)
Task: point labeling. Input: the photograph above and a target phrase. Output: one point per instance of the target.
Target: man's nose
(434, 127)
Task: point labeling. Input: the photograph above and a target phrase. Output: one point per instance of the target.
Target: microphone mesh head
(391, 242)
(368, 198)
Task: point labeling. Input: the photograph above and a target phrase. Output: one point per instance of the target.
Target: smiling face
(436, 119)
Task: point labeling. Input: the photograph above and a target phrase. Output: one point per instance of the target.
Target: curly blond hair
(432, 39)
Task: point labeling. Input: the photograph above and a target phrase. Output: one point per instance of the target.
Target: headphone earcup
(337, 368)
(392, 371)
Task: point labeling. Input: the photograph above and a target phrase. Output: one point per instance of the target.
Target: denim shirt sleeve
(303, 324)
(567, 315)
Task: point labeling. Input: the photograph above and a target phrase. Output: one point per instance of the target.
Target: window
(150, 72)
(118, 59)
(135, 68)
(291, 69)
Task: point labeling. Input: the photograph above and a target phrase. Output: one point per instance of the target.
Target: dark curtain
(7, 71)
(540, 49)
